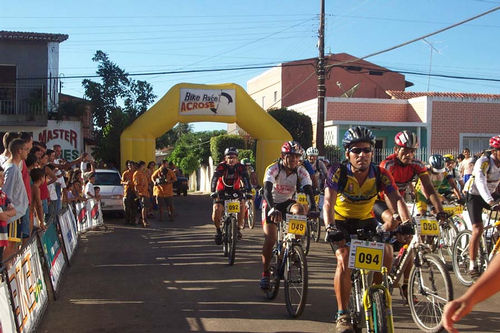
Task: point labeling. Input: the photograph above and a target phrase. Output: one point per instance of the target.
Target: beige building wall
(265, 89)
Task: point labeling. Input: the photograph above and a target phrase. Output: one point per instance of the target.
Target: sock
(472, 265)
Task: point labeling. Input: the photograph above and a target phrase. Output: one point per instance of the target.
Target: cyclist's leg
(421, 203)
(297, 209)
(271, 235)
(217, 211)
(475, 205)
(241, 215)
(342, 280)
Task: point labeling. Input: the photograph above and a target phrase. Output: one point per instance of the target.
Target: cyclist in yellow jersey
(350, 193)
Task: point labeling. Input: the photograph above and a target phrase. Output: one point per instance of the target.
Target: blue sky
(152, 36)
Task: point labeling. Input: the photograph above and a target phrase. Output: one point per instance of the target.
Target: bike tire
(461, 257)
(427, 301)
(251, 214)
(232, 240)
(380, 313)
(306, 239)
(296, 281)
(446, 240)
(354, 300)
(316, 229)
(225, 233)
(274, 276)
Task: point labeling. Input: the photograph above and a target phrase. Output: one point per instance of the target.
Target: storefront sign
(67, 134)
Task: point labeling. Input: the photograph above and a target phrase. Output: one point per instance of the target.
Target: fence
(41, 262)
(380, 154)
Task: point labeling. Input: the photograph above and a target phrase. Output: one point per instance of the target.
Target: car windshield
(107, 178)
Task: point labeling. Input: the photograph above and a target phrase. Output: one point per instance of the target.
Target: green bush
(246, 153)
(298, 124)
(219, 143)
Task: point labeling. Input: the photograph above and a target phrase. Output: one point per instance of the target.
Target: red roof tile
(395, 94)
(32, 36)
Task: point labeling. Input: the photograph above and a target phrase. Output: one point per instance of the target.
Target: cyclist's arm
(480, 179)
(329, 205)
(430, 191)
(397, 201)
(310, 194)
(454, 186)
(215, 177)
(268, 193)
(246, 180)
(486, 286)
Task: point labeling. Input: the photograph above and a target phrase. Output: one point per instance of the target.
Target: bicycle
(250, 211)
(429, 285)
(313, 224)
(288, 263)
(230, 226)
(371, 300)
(489, 245)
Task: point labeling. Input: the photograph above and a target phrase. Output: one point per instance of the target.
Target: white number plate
(366, 255)
(297, 224)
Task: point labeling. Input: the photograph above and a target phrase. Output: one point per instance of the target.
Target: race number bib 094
(232, 206)
(297, 224)
(366, 255)
(428, 226)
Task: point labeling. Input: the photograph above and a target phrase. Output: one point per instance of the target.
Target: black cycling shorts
(379, 208)
(351, 226)
(283, 207)
(475, 205)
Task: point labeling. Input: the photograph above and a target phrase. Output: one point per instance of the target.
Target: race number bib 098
(366, 255)
(302, 199)
(297, 224)
(232, 206)
(428, 226)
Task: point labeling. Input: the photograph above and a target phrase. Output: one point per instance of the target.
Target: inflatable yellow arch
(186, 103)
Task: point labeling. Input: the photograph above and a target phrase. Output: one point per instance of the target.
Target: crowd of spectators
(35, 184)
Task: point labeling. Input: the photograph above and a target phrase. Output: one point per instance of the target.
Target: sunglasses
(358, 151)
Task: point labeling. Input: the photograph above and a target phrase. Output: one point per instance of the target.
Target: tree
(219, 143)
(172, 136)
(117, 101)
(298, 124)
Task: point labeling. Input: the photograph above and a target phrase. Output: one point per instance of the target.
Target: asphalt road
(171, 277)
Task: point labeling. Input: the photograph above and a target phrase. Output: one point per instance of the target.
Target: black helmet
(437, 163)
(358, 134)
(231, 151)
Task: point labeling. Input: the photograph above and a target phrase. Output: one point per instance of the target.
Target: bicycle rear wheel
(274, 277)
(315, 229)
(461, 258)
(429, 289)
(232, 237)
(380, 312)
(296, 281)
(251, 214)
(446, 239)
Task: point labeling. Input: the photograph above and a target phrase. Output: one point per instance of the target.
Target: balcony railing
(10, 107)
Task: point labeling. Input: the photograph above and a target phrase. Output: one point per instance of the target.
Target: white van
(109, 182)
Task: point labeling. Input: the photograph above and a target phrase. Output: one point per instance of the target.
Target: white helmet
(312, 151)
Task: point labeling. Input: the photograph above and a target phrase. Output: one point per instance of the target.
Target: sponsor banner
(67, 223)
(29, 292)
(53, 254)
(66, 133)
(94, 213)
(7, 323)
(82, 220)
(212, 102)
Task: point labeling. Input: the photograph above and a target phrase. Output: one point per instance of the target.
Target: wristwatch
(395, 216)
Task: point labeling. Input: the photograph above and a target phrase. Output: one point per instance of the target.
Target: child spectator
(6, 212)
(37, 179)
(97, 191)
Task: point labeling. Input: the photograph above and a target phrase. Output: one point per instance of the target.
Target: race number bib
(254, 192)
(297, 224)
(302, 199)
(453, 209)
(316, 198)
(427, 226)
(232, 206)
(366, 255)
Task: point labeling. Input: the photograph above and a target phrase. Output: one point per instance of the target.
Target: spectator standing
(466, 166)
(89, 191)
(26, 223)
(141, 191)
(7, 139)
(163, 180)
(37, 179)
(149, 172)
(129, 203)
(7, 211)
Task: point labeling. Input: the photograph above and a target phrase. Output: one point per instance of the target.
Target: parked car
(181, 185)
(111, 190)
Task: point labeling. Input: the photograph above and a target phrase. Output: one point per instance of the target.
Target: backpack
(343, 176)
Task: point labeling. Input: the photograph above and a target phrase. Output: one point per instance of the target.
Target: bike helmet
(292, 147)
(448, 158)
(358, 134)
(312, 151)
(246, 161)
(231, 151)
(406, 139)
(437, 163)
(495, 142)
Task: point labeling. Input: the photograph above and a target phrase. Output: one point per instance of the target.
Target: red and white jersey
(284, 187)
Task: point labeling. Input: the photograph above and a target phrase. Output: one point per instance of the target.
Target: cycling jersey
(228, 177)
(356, 201)
(485, 178)
(284, 187)
(403, 173)
(440, 182)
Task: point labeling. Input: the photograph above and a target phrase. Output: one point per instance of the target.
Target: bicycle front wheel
(429, 289)
(225, 233)
(461, 258)
(232, 237)
(296, 281)
(316, 229)
(380, 312)
(274, 276)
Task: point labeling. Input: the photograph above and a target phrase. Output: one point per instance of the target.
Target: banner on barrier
(29, 292)
(95, 213)
(7, 323)
(67, 222)
(53, 254)
(82, 220)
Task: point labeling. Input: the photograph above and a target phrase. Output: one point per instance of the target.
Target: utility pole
(320, 71)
